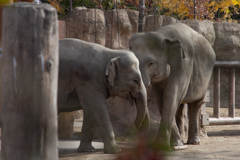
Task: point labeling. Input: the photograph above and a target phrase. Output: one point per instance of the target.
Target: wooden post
(216, 111)
(231, 109)
(29, 82)
(65, 125)
(141, 15)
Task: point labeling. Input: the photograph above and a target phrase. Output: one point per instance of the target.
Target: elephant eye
(150, 64)
(135, 81)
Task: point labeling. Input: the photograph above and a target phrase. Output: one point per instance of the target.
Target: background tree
(141, 15)
(216, 10)
(202, 9)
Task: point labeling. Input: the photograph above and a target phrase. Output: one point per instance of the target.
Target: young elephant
(178, 62)
(88, 75)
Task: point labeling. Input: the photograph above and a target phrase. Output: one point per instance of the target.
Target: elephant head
(124, 80)
(157, 54)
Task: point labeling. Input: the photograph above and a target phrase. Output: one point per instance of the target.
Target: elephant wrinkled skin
(178, 62)
(88, 75)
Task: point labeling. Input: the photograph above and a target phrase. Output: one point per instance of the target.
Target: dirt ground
(223, 112)
(223, 142)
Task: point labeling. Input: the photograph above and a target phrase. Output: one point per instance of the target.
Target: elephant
(177, 62)
(88, 75)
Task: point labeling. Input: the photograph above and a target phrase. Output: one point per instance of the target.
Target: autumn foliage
(217, 10)
(202, 9)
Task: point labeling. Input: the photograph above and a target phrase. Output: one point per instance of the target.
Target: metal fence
(231, 119)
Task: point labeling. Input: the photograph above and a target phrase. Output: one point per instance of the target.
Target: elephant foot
(182, 147)
(111, 149)
(194, 141)
(177, 142)
(178, 145)
(86, 148)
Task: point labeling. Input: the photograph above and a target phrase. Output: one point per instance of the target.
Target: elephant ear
(174, 53)
(112, 70)
(176, 45)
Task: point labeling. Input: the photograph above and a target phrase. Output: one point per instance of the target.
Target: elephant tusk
(168, 70)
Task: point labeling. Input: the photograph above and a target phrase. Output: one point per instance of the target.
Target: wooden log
(65, 125)
(1, 8)
(0, 87)
(29, 82)
(216, 109)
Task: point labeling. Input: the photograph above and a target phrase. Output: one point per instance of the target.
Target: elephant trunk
(146, 81)
(142, 121)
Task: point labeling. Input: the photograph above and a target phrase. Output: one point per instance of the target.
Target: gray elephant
(178, 62)
(88, 75)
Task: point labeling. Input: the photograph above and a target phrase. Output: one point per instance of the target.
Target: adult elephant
(178, 62)
(88, 75)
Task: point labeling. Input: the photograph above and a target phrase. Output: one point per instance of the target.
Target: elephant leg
(165, 128)
(104, 126)
(97, 110)
(176, 138)
(172, 98)
(180, 119)
(193, 113)
(158, 96)
(178, 125)
(88, 130)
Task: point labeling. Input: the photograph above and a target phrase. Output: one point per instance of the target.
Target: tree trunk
(70, 2)
(29, 82)
(65, 125)
(141, 15)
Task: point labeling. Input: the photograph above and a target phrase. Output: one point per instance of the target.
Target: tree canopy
(202, 9)
(216, 10)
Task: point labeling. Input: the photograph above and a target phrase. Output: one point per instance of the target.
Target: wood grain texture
(29, 82)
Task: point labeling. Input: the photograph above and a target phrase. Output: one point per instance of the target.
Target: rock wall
(86, 24)
(111, 28)
(114, 28)
(123, 114)
(204, 27)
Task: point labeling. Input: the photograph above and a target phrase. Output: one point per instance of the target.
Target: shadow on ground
(218, 131)
(223, 142)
